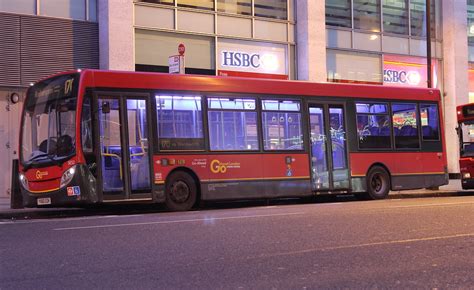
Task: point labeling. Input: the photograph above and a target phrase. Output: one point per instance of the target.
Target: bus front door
(328, 147)
(123, 128)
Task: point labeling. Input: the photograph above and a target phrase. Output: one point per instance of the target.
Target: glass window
(230, 129)
(200, 4)
(470, 22)
(92, 10)
(373, 125)
(64, 8)
(405, 125)
(282, 125)
(167, 2)
(418, 18)
(395, 16)
(429, 122)
(18, 6)
(344, 66)
(271, 9)
(338, 13)
(243, 7)
(367, 15)
(179, 122)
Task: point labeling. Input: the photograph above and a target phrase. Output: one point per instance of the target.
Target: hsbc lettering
(403, 77)
(240, 59)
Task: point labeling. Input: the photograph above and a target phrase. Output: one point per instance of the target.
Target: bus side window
(429, 122)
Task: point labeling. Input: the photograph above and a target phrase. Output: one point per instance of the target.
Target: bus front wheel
(378, 183)
(180, 191)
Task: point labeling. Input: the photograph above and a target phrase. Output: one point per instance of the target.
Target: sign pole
(428, 42)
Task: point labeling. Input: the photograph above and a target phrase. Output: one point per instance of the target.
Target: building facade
(379, 42)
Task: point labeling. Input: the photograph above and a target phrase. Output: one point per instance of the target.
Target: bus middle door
(328, 147)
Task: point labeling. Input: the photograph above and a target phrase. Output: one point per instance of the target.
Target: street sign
(176, 64)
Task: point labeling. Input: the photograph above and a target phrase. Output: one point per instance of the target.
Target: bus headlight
(466, 175)
(24, 181)
(67, 176)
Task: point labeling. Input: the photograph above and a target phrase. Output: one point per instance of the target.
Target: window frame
(300, 111)
(438, 116)
(237, 96)
(388, 114)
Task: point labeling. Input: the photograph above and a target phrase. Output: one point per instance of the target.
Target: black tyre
(378, 183)
(181, 191)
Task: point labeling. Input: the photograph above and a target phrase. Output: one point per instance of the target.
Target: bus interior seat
(385, 131)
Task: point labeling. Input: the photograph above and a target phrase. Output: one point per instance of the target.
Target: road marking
(431, 204)
(205, 220)
(370, 245)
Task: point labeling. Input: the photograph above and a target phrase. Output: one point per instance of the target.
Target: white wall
(311, 40)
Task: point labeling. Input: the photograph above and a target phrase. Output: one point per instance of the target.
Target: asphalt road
(408, 243)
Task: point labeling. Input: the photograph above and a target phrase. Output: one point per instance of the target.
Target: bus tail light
(67, 176)
(24, 181)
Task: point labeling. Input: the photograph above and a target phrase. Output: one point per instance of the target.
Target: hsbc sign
(240, 59)
(402, 77)
(244, 57)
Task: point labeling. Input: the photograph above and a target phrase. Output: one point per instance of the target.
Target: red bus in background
(465, 130)
(104, 136)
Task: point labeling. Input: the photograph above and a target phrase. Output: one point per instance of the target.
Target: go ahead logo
(402, 77)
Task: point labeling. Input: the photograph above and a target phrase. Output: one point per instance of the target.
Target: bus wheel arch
(182, 189)
(378, 180)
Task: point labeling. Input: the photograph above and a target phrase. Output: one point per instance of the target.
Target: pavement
(453, 188)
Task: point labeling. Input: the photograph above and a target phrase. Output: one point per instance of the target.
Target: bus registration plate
(44, 200)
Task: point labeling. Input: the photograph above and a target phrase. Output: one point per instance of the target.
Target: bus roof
(216, 84)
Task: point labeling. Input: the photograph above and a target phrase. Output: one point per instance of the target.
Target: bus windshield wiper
(50, 157)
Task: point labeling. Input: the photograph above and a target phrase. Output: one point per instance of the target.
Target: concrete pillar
(116, 35)
(455, 71)
(311, 40)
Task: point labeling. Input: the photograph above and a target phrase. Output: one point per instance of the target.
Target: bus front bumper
(80, 191)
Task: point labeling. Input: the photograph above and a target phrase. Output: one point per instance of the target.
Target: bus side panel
(288, 175)
(232, 176)
(408, 170)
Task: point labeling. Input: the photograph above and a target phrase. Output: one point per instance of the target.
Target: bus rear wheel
(181, 191)
(378, 183)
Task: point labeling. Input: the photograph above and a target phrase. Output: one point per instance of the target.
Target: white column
(311, 40)
(455, 72)
(116, 35)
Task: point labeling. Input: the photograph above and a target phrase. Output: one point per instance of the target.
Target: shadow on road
(136, 208)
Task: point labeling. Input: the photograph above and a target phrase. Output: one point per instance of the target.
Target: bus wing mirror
(105, 107)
